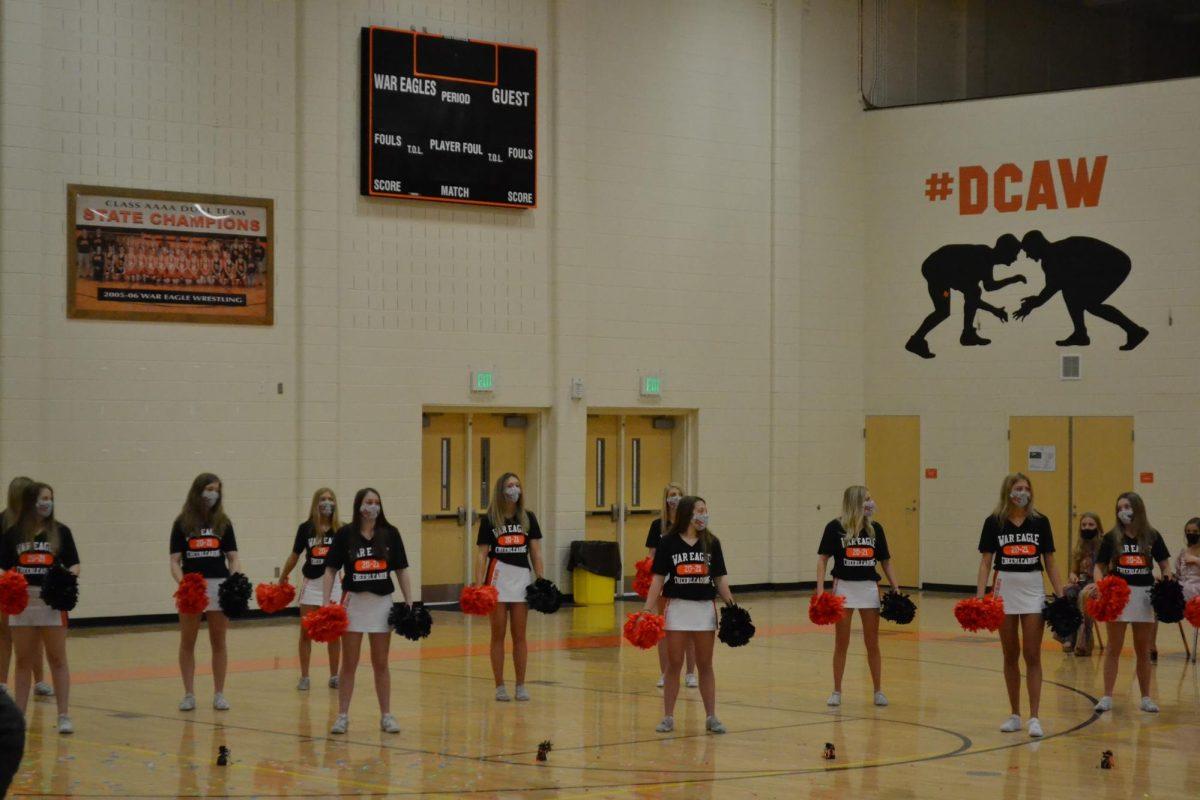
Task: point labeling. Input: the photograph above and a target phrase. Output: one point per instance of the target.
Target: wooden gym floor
(595, 699)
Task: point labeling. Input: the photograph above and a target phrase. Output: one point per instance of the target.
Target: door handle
(625, 513)
(462, 516)
(612, 512)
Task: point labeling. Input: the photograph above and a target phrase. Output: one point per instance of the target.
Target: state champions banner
(147, 255)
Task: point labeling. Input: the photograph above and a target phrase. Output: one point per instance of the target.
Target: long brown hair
(1004, 508)
(495, 512)
(683, 518)
(196, 514)
(1143, 532)
(382, 526)
(16, 488)
(314, 510)
(30, 524)
(1085, 547)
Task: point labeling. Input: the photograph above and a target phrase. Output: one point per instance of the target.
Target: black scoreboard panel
(445, 119)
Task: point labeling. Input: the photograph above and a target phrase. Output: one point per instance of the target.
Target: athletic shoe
(880, 699)
(502, 694)
(713, 725)
(522, 695)
(340, 724)
(662, 681)
(388, 724)
(1011, 725)
(835, 699)
(220, 703)
(303, 685)
(1105, 704)
(188, 703)
(43, 689)
(666, 726)
(1149, 705)
(64, 724)
(333, 681)
(1035, 728)
(690, 681)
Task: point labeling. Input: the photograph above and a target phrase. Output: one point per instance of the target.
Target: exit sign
(483, 381)
(651, 386)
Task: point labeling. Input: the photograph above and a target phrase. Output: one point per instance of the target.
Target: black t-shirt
(1132, 564)
(203, 551)
(509, 545)
(367, 566)
(315, 548)
(34, 559)
(689, 576)
(1018, 548)
(655, 534)
(856, 559)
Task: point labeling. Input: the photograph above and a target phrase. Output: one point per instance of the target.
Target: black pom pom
(735, 628)
(60, 589)
(897, 607)
(542, 595)
(234, 595)
(1166, 596)
(1063, 617)
(412, 622)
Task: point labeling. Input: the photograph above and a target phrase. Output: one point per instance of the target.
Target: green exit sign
(482, 381)
(651, 386)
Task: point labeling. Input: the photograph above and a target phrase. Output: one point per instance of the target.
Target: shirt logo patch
(35, 559)
(370, 565)
(1013, 550)
(690, 568)
(860, 552)
(320, 551)
(204, 543)
(1133, 561)
(511, 540)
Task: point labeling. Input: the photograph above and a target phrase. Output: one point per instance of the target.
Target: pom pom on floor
(478, 601)
(1108, 599)
(980, 613)
(326, 624)
(192, 595)
(60, 589)
(645, 630)
(14, 592)
(1063, 617)
(826, 608)
(412, 622)
(234, 595)
(1191, 612)
(542, 595)
(897, 607)
(274, 597)
(1166, 596)
(735, 628)
(644, 577)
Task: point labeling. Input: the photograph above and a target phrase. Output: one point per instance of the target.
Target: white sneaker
(333, 681)
(1149, 705)
(303, 685)
(521, 694)
(1035, 728)
(1011, 725)
(690, 681)
(43, 689)
(64, 724)
(662, 681)
(666, 726)
(1105, 704)
(340, 724)
(713, 725)
(835, 699)
(220, 703)
(502, 694)
(881, 699)
(388, 724)
(188, 703)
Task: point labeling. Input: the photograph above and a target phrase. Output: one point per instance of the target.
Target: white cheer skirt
(858, 594)
(1138, 609)
(1023, 592)
(37, 614)
(510, 581)
(312, 588)
(368, 612)
(691, 615)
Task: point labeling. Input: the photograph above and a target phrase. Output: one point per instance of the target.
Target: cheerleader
(202, 541)
(855, 578)
(509, 542)
(36, 544)
(8, 518)
(689, 570)
(367, 551)
(1187, 565)
(671, 497)
(1130, 551)
(314, 537)
(1016, 540)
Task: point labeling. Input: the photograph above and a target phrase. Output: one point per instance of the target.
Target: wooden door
(1101, 469)
(647, 472)
(443, 505)
(601, 470)
(893, 476)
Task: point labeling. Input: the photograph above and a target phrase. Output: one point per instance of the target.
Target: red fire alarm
(931, 473)
(1146, 477)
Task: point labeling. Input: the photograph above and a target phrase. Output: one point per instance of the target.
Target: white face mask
(45, 508)
(700, 521)
(369, 510)
(513, 493)
(869, 508)
(1020, 498)
(326, 507)
(673, 501)
(211, 498)
(1125, 515)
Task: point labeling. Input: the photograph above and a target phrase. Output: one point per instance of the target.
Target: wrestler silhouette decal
(1085, 270)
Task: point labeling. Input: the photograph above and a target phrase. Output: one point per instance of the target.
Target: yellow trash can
(591, 589)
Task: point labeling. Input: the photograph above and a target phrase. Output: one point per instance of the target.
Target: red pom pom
(326, 624)
(1109, 599)
(192, 595)
(645, 630)
(980, 613)
(826, 608)
(14, 592)
(1191, 612)
(478, 601)
(641, 583)
(273, 597)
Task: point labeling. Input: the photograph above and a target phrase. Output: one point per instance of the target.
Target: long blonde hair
(29, 524)
(495, 509)
(314, 511)
(665, 516)
(1004, 508)
(16, 488)
(853, 519)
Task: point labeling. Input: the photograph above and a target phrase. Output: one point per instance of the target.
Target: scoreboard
(444, 119)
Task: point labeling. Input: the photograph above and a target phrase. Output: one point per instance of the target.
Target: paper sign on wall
(1042, 458)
